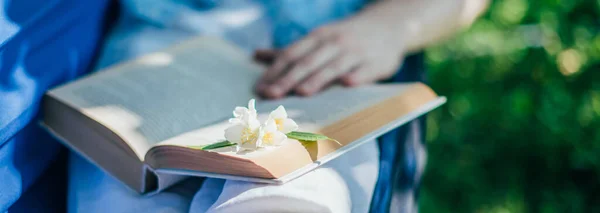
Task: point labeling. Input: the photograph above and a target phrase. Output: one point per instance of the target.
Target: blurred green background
(520, 132)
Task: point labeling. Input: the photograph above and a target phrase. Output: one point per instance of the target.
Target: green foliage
(521, 130)
(307, 136)
(216, 145)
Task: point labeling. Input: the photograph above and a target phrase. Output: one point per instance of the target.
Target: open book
(139, 120)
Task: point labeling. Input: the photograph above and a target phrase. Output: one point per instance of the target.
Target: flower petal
(261, 134)
(278, 138)
(251, 106)
(270, 126)
(247, 146)
(234, 133)
(252, 122)
(288, 125)
(278, 113)
(239, 111)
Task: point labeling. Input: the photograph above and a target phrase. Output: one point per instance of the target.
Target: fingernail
(348, 81)
(275, 91)
(304, 91)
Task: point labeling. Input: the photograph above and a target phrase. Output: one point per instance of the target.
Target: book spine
(155, 181)
(150, 181)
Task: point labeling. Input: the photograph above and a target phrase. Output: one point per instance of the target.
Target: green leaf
(216, 145)
(307, 136)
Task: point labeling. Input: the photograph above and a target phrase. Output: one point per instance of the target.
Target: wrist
(391, 33)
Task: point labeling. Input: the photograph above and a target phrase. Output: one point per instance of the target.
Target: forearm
(419, 23)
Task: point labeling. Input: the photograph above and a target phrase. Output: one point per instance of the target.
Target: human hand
(350, 51)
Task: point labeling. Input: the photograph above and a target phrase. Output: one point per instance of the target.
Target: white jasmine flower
(246, 131)
(243, 114)
(283, 123)
(246, 137)
(248, 134)
(270, 135)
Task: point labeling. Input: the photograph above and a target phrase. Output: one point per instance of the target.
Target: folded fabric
(22, 160)
(42, 43)
(92, 190)
(343, 185)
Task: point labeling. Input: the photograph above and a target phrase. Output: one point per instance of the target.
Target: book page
(351, 116)
(311, 113)
(165, 94)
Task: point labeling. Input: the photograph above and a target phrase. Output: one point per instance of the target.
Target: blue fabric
(47, 42)
(42, 43)
(290, 19)
(402, 153)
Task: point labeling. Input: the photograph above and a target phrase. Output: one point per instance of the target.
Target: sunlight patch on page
(122, 122)
(157, 59)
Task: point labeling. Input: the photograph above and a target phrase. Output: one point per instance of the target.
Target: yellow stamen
(248, 136)
(268, 138)
(279, 123)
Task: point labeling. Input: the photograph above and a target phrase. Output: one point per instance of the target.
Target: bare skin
(364, 48)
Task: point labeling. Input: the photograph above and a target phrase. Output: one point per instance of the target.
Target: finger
(330, 72)
(265, 56)
(302, 69)
(295, 52)
(361, 75)
(285, 58)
